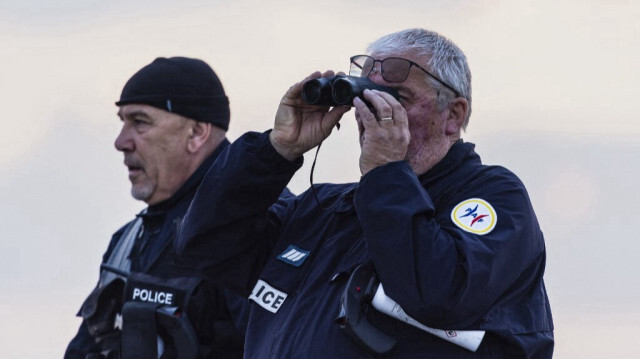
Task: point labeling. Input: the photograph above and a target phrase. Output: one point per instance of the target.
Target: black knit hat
(188, 87)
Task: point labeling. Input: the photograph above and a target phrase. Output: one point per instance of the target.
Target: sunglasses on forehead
(392, 69)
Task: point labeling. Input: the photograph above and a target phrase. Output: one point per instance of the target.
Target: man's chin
(141, 193)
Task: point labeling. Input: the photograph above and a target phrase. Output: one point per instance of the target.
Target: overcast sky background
(555, 99)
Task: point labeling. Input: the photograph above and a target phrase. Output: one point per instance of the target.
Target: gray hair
(444, 59)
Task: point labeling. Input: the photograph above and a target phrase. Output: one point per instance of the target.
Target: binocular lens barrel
(344, 91)
(317, 92)
(339, 90)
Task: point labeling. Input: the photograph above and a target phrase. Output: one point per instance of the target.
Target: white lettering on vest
(267, 297)
(146, 295)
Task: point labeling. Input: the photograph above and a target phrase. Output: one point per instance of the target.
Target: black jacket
(459, 248)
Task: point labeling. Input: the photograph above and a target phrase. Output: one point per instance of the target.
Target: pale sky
(555, 88)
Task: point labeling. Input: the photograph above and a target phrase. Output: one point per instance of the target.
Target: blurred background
(555, 99)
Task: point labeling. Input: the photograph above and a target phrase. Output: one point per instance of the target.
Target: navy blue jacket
(458, 248)
(218, 316)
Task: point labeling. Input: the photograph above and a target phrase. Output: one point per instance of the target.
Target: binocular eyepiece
(339, 90)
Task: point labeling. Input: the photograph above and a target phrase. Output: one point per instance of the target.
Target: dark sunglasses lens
(395, 70)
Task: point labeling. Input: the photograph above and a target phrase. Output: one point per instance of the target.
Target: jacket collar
(459, 153)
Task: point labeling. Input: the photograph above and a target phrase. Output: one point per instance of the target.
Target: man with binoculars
(455, 243)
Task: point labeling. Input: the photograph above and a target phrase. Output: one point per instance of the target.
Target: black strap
(179, 329)
(139, 331)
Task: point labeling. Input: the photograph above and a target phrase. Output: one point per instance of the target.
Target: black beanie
(188, 87)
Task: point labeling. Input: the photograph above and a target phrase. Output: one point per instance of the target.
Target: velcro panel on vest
(139, 331)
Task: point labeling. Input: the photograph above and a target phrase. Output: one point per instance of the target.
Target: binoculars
(339, 90)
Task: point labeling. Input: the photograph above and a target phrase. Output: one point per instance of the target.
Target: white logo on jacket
(294, 255)
(474, 215)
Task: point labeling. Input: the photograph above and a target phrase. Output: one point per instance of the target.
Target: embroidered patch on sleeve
(474, 215)
(294, 256)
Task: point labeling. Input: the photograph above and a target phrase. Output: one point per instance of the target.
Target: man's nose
(124, 141)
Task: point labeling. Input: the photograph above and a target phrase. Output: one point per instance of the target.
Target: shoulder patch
(294, 256)
(474, 215)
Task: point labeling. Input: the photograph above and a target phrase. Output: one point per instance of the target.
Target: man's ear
(199, 133)
(457, 114)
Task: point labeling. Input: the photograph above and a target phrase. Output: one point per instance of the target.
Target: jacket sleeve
(440, 274)
(233, 221)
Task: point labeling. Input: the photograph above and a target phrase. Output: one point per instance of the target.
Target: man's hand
(384, 136)
(300, 127)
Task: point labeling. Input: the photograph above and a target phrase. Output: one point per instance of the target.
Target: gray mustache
(132, 162)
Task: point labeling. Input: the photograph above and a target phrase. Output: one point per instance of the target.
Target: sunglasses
(392, 69)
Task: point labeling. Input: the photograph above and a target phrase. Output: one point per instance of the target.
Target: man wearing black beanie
(147, 303)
